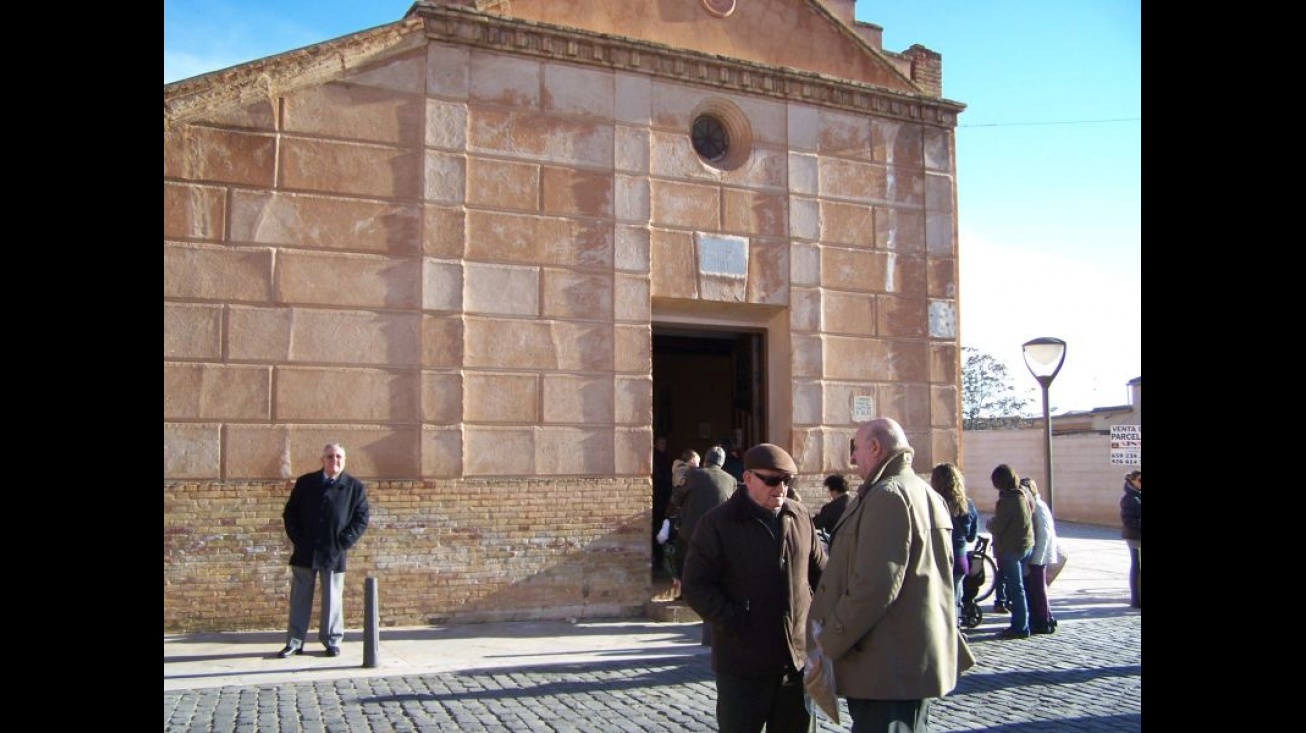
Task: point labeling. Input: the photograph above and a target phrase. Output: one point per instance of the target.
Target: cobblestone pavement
(1085, 677)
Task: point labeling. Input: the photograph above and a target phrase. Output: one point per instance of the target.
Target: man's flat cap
(767, 455)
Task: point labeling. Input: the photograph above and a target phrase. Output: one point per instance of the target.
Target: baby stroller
(978, 583)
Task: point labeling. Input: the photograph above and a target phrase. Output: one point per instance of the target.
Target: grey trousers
(331, 630)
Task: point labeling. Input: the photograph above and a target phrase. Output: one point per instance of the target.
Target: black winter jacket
(1131, 513)
(829, 514)
(324, 523)
(754, 588)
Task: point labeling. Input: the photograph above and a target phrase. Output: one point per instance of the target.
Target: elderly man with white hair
(886, 604)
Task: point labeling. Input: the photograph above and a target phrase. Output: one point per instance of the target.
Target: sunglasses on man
(775, 480)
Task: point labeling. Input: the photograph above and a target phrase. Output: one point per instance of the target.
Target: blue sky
(1049, 157)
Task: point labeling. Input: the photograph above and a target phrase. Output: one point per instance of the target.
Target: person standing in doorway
(688, 459)
(734, 465)
(662, 487)
(686, 464)
(749, 573)
(324, 517)
(706, 489)
(885, 608)
(680, 471)
(1131, 520)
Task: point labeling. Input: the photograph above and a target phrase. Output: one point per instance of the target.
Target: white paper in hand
(818, 679)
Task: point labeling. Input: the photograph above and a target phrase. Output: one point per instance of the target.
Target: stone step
(665, 611)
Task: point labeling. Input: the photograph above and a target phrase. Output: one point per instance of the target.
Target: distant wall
(1087, 487)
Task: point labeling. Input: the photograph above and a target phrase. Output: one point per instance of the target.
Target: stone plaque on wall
(862, 408)
(722, 255)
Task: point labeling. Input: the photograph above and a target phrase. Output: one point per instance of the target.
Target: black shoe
(289, 650)
(1000, 608)
(333, 651)
(1010, 633)
(1049, 629)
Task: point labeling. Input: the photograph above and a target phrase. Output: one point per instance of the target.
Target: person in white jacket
(1045, 554)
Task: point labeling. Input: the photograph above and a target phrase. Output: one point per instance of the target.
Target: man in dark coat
(749, 573)
(325, 515)
(708, 488)
(733, 464)
(828, 517)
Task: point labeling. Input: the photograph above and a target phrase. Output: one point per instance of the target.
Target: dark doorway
(708, 386)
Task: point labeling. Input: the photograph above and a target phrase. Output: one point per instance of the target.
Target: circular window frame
(719, 8)
(727, 125)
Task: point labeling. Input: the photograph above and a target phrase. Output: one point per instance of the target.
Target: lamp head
(1043, 357)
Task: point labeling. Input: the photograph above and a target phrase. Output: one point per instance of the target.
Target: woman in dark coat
(947, 480)
(1131, 519)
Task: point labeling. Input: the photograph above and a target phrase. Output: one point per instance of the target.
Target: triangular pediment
(805, 35)
(240, 90)
(788, 48)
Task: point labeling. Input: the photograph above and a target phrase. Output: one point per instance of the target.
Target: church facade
(494, 248)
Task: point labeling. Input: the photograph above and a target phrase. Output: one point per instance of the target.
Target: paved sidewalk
(639, 675)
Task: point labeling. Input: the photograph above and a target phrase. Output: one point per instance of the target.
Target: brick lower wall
(467, 551)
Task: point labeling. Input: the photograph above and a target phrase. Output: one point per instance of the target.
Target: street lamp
(1044, 356)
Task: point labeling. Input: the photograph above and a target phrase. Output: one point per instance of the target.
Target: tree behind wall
(988, 400)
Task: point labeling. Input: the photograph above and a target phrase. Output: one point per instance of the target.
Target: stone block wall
(314, 275)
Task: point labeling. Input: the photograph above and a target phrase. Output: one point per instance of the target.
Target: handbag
(1055, 568)
(965, 657)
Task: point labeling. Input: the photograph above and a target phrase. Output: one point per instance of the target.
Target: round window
(720, 134)
(711, 139)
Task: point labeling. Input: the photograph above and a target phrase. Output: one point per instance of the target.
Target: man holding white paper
(885, 603)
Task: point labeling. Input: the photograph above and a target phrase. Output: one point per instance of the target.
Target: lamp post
(1044, 357)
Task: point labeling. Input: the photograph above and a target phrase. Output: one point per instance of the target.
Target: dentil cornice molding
(458, 25)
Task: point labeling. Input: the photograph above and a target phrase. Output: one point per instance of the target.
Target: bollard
(371, 624)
